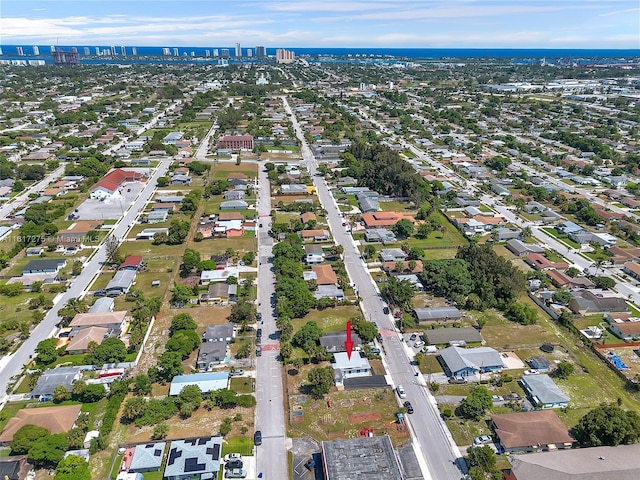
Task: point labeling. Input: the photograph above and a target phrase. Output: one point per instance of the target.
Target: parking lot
(110, 208)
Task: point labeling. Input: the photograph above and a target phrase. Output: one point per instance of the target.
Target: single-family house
(463, 362)
(81, 339)
(381, 235)
(114, 321)
(533, 431)
(48, 265)
(334, 342)
(180, 179)
(55, 419)
(207, 382)
(314, 235)
(346, 366)
(543, 392)
(218, 333)
(234, 205)
(384, 219)
(132, 262)
(102, 305)
(314, 255)
(34, 251)
(585, 301)
(325, 275)
(214, 276)
(121, 282)
(50, 379)
(234, 195)
(150, 233)
(194, 459)
(436, 314)
(331, 291)
(595, 463)
(147, 457)
(520, 249)
(392, 255)
(211, 354)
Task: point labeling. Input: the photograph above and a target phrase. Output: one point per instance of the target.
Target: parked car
(259, 333)
(385, 310)
(413, 336)
(482, 440)
(100, 293)
(401, 392)
(257, 437)
(408, 406)
(232, 456)
(236, 473)
(233, 464)
(456, 380)
(419, 344)
(258, 351)
(375, 350)
(238, 372)
(310, 464)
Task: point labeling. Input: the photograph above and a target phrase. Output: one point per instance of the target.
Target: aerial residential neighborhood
(323, 268)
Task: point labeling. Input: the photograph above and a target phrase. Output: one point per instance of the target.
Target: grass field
(330, 319)
(242, 385)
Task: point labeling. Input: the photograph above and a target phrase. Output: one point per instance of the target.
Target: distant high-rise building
(74, 49)
(134, 51)
(166, 51)
(216, 52)
(238, 50)
(193, 54)
(261, 51)
(175, 52)
(87, 52)
(113, 51)
(285, 56)
(225, 52)
(60, 57)
(123, 51)
(207, 53)
(36, 50)
(0, 50)
(249, 53)
(20, 51)
(52, 48)
(98, 51)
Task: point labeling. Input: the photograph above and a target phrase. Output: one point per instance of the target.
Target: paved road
(13, 364)
(438, 455)
(272, 454)
(38, 187)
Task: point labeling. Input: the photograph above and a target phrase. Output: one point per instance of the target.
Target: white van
(401, 392)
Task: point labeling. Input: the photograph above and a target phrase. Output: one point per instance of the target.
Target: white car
(401, 392)
(419, 344)
(232, 456)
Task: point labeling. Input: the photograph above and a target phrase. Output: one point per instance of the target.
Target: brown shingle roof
(54, 419)
(528, 429)
(325, 274)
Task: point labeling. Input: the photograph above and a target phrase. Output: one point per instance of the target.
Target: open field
(329, 320)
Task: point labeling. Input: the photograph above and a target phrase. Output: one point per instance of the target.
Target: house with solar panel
(147, 457)
(197, 458)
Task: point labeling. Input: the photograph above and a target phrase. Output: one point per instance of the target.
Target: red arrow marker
(349, 343)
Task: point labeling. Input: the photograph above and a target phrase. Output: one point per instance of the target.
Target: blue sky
(302, 23)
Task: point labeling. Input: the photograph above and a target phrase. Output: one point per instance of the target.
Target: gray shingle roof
(147, 457)
(474, 358)
(544, 389)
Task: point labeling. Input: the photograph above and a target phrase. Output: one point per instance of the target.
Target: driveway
(303, 450)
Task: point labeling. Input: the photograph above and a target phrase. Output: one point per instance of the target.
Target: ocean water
(188, 53)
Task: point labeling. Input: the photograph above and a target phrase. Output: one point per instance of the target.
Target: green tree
(608, 425)
(111, 350)
(183, 342)
(476, 403)
(160, 431)
(605, 283)
(46, 351)
(25, 436)
(188, 400)
(182, 321)
(133, 408)
(522, 313)
(308, 335)
(564, 370)
(75, 437)
(403, 228)
(190, 260)
(169, 365)
(367, 331)
(398, 292)
(561, 297)
(483, 457)
(320, 380)
(60, 394)
(369, 251)
(76, 268)
(73, 468)
(243, 313)
(181, 294)
(142, 384)
(48, 451)
(224, 398)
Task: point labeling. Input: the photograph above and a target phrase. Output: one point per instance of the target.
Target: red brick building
(236, 142)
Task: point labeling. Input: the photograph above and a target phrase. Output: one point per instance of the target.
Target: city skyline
(354, 23)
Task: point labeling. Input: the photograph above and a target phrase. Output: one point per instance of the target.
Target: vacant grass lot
(222, 169)
(330, 319)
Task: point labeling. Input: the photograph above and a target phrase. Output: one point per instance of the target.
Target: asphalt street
(272, 454)
(439, 457)
(12, 365)
(37, 187)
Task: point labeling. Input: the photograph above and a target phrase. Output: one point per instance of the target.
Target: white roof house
(213, 276)
(206, 381)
